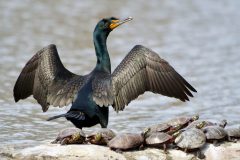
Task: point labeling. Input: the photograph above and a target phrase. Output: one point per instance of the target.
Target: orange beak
(115, 23)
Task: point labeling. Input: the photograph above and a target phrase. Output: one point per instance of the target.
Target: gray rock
(62, 152)
(227, 150)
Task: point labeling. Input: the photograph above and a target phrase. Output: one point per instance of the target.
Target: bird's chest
(94, 93)
(84, 95)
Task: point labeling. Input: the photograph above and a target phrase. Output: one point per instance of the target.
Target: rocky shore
(226, 151)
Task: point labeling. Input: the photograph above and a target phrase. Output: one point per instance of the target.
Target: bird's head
(106, 25)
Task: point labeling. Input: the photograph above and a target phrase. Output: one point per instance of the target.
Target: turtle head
(223, 123)
(76, 136)
(145, 132)
(174, 129)
(177, 133)
(98, 137)
(195, 117)
(201, 125)
(177, 127)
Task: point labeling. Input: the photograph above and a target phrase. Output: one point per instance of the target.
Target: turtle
(159, 139)
(70, 136)
(214, 134)
(184, 121)
(233, 134)
(191, 140)
(101, 137)
(126, 141)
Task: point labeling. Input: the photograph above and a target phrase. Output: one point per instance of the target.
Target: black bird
(50, 83)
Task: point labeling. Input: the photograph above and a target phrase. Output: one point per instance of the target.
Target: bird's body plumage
(50, 83)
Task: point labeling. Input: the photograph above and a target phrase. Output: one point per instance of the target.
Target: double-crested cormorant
(50, 83)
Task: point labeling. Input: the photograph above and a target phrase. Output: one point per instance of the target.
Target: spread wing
(45, 77)
(143, 70)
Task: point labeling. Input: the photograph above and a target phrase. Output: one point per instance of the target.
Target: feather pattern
(143, 70)
(102, 89)
(45, 77)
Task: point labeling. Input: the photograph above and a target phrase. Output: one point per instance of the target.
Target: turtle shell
(233, 132)
(159, 127)
(157, 138)
(126, 141)
(195, 123)
(178, 121)
(106, 133)
(162, 127)
(214, 132)
(191, 139)
(69, 132)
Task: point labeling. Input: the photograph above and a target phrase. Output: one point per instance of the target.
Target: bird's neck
(103, 60)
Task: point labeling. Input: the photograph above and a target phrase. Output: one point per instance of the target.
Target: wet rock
(70, 152)
(226, 151)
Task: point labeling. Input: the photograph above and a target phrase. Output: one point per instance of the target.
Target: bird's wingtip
(16, 99)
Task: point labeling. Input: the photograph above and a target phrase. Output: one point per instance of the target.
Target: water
(201, 39)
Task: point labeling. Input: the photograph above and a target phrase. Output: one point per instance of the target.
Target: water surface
(201, 39)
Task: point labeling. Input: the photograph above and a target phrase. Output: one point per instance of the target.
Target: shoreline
(226, 150)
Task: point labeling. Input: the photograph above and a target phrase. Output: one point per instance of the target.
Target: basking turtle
(162, 127)
(159, 139)
(126, 141)
(184, 121)
(101, 137)
(70, 136)
(190, 140)
(233, 134)
(214, 134)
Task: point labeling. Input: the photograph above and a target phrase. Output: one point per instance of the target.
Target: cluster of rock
(186, 133)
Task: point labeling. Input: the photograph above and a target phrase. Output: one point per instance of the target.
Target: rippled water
(201, 39)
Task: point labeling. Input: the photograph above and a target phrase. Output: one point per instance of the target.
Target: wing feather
(45, 77)
(143, 70)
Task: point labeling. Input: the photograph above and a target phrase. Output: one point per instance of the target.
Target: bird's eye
(103, 24)
(105, 21)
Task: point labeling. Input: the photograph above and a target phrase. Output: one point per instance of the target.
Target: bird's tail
(55, 117)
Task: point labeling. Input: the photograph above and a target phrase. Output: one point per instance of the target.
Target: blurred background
(200, 39)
